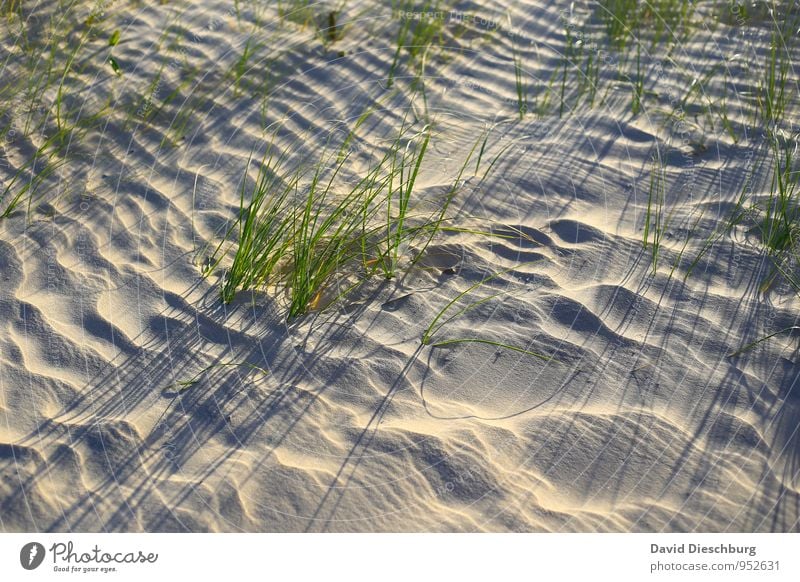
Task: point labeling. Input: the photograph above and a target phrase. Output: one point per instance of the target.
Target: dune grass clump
(261, 225)
(319, 229)
(775, 218)
(656, 219)
(778, 223)
(43, 118)
(401, 178)
(668, 19)
(778, 217)
(520, 83)
(330, 28)
(324, 20)
(705, 101)
(620, 18)
(421, 29)
(587, 64)
(568, 53)
(774, 91)
(295, 231)
(780, 226)
(298, 11)
(9, 7)
(329, 231)
(575, 78)
(632, 26)
(637, 83)
(241, 66)
(27, 183)
(700, 94)
(627, 20)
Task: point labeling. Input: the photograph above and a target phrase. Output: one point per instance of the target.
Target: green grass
(415, 38)
(567, 63)
(670, 20)
(45, 103)
(719, 108)
(638, 83)
(187, 98)
(60, 114)
(324, 19)
(50, 124)
(734, 218)
(779, 225)
(327, 235)
(702, 93)
(318, 228)
(751, 345)
(774, 89)
(9, 7)
(629, 23)
(28, 180)
(520, 81)
(779, 215)
(241, 66)
(620, 18)
(775, 218)
(261, 237)
(655, 219)
(332, 31)
(457, 307)
(589, 75)
(434, 224)
(401, 180)
(298, 11)
(660, 20)
(574, 80)
(306, 224)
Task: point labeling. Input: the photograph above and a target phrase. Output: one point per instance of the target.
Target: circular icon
(31, 555)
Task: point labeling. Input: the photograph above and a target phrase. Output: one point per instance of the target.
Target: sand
(641, 422)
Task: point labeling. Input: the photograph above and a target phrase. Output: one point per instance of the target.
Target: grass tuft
(438, 323)
(655, 221)
(319, 229)
(416, 37)
(519, 80)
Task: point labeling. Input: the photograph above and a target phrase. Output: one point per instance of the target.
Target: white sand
(643, 424)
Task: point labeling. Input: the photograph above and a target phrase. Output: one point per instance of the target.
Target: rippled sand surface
(640, 422)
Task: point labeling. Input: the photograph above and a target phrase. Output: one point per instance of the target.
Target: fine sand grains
(615, 203)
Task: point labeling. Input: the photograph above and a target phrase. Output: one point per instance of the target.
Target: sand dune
(640, 422)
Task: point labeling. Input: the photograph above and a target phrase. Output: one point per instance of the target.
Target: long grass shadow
(355, 456)
(705, 454)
